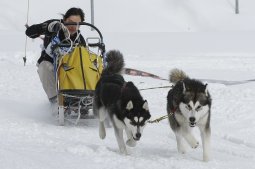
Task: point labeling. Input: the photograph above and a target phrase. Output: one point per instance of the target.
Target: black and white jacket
(36, 30)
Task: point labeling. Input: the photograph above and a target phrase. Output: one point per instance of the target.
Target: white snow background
(205, 38)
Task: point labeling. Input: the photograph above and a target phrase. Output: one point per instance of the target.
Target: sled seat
(79, 70)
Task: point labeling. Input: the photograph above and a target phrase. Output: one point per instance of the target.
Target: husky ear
(206, 89)
(129, 105)
(184, 88)
(145, 105)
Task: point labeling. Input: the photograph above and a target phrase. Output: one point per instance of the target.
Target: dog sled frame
(76, 104)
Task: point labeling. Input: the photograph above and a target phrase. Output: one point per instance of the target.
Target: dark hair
(74, 11)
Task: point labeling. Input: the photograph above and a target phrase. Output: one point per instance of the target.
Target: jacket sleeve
(36, 30)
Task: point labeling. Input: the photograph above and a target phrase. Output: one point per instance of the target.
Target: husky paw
(123, 151)
(102, 132)
(195, 145)
(102, 135)
(206, 156)
(182, 150)
(131, 143)
(206, 159)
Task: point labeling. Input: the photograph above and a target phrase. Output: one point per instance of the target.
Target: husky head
(196, 101)
(136, 117)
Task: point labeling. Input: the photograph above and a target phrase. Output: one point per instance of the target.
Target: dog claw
(182, 151)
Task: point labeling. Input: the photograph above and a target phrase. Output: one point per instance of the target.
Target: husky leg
(102, 116)
(107, 121)
(187, 134)
(102, 132)
(130, 142)
(120, 140)
(180, 142)
(206, 141)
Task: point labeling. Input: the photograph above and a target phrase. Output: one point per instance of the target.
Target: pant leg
(46, 75)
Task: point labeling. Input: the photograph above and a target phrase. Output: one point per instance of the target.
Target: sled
(77, 72)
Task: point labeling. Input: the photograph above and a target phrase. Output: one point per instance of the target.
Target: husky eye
(128, 114)
(198, 108)
(133, 123)
(188, 107)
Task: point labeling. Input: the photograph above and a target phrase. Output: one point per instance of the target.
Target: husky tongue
(192, 124)
(136, 139)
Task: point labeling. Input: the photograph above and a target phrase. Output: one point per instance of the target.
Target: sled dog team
(188, 105)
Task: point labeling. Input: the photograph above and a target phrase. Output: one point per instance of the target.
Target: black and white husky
(122, 101)
(189, 105)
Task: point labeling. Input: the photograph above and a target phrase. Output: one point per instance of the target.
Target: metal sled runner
(77, 73)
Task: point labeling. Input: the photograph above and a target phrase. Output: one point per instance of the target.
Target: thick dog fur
(122, 101)
(189, 105)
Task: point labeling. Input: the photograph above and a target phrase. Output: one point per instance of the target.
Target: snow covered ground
(31, 139)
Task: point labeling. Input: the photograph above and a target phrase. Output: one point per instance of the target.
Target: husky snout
(192, 121)
(137, 136)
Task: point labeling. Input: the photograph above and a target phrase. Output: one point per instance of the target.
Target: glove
(56, 26)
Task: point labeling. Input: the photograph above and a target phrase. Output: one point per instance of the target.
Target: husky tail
(114, 62)
(177, 75)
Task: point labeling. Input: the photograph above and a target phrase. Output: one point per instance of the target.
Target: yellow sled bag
(79, 70)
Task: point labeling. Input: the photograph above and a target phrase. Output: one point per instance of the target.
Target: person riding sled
(55, 31)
